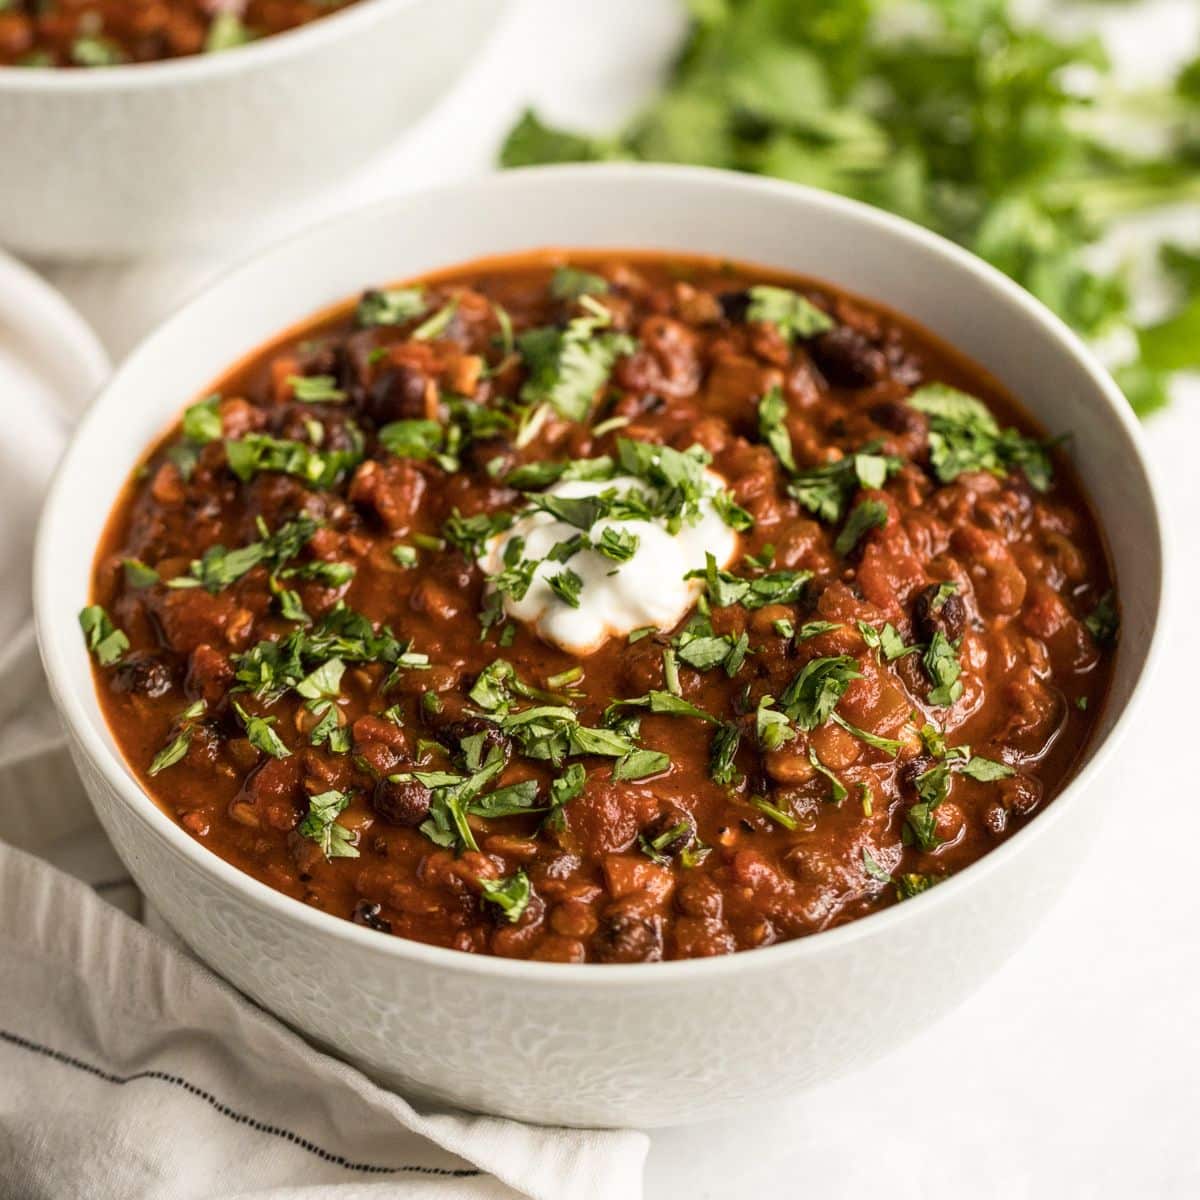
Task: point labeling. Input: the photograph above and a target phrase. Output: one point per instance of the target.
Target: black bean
(143, 674)
(847, 359)
(401, 802)
(367, 913)
(896, 417)
(492, 458)
(734, 304)
(626, 938)
(493, 738)
(912, 770)
(396, 394)
(933, 612)
(671, 832)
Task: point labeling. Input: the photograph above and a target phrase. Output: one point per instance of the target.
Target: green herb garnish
(104, 640)
(510, 895)
(320, 825)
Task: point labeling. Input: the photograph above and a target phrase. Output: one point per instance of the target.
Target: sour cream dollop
(615, 598)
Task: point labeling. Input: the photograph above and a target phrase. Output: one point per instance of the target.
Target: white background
(1076, 1071)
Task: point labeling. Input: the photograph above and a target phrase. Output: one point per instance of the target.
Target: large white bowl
(643, 1044)
(128, 160)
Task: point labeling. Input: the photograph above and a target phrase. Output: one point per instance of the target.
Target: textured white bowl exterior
(648, 1044)
(131, 160)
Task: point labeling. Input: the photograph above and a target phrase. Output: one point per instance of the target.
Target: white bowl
(114, 161)
(642, 1044)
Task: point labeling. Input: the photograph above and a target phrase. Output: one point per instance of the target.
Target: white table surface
(1076, 1070)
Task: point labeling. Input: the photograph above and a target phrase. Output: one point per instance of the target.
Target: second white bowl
(116, 161)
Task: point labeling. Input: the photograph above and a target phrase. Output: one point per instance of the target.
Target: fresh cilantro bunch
(1006, 138)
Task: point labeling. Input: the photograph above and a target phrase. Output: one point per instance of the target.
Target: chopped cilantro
(837, 789)
(814, 692)
(226, 31)
(793, 315)
(414, 438)
(663, 703)
(887, 745)
(91, 50)
(964, 436)
(865, 516)
(471, 534)
(812, 629)
(725, 589)
(772, 411)
(218, 568)
(103, 639)
(568, 786)
(510, 895)
(434, 326)
(825, 491)
(202, 420)
(941, 664)
(913, 884)
(260, 734)
(320, 825)
(772, 727)
(255, 452)
(873, 869)
(764, 806)
(569, 283)
(885, 641)
(138, 575)
(640, 764)
(722, 753)
(184, 725)
(316, 389)
(391, 306)
(618, 544)
(1103, 622)
(567, 367)
(567, 586)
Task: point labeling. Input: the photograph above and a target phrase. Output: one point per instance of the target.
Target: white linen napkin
(128, 1070)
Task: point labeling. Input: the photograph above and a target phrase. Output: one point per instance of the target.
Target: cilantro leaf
(941, 664)
(177, 747)
(255, 452)
(814, 692)
(825, 491)
(569, 283)
(725, 589)
(510, 895)
(964, 436)
(389, 306)
(567, 367)
(1104, 622)
(567, 586)
(202, 421)
(260, 734)
(640, 764)
(865, 516)
(320, 825)
(793, 315)
(772, 411)
(413, 438)
(103, 639)
(316, 389)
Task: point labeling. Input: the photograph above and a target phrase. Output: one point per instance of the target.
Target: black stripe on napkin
(225, 1111)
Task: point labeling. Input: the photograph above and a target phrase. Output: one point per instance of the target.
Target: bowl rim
(648, 975)
(196, 68)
